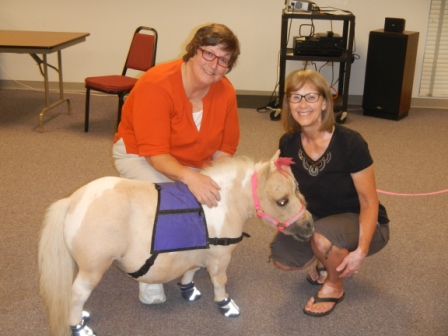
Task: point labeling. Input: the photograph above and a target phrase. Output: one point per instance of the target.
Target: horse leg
(187, 288)
(82, 287)
(217, 268)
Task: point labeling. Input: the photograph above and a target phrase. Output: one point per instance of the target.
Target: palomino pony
(112, 221)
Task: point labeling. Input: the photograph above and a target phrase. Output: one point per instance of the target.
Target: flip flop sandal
(318, 299)
(316, 282)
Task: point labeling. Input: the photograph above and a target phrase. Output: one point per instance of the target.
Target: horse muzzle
(302, 229)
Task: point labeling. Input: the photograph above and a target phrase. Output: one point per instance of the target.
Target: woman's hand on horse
(204, 189)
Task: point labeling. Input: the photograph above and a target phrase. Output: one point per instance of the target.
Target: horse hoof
(82, 329)
(190, 292)
(228, 308)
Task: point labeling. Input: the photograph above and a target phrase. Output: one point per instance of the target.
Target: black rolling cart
(345, 59)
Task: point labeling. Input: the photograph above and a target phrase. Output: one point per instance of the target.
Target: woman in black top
(334, 170)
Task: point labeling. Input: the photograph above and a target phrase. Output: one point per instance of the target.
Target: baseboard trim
(39, 86)
(261, 100)
(245, 98)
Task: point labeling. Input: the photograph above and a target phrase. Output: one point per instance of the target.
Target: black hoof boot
(228, 308)
(189, 292)
(82, 329)
(85, 315)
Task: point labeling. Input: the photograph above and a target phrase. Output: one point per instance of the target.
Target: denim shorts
(341, 230)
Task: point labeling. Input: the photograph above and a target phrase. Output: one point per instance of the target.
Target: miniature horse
(112, 221)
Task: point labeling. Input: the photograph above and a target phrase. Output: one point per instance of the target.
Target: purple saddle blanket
(180, 221)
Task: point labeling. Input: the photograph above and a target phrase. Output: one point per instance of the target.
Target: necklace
(313, 167)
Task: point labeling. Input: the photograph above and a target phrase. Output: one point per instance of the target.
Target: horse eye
(283, 202)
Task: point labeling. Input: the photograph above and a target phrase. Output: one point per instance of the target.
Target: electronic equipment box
(320, 44)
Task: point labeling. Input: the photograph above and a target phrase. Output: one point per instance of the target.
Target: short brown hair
(212, 35)
(294, 83)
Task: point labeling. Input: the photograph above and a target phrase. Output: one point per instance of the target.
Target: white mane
(224, 166)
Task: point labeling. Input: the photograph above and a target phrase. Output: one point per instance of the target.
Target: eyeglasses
(209, 56)
(309, 97)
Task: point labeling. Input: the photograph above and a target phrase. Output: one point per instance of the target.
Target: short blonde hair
(294, 83)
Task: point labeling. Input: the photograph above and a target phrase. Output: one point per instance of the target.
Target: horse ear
(272, 166)
(278, 164)
(282, 164)
(276, 156)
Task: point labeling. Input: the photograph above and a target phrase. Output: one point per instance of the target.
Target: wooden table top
(22, 41)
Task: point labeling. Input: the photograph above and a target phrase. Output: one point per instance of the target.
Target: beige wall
(256, 22)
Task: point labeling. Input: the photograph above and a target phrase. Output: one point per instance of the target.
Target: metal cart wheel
(276, 115)
(342, 118)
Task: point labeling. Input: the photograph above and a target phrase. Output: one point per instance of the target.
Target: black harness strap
(227, 241)
(145, 268)
(213, 241)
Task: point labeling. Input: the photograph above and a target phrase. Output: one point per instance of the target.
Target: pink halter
(261, 214)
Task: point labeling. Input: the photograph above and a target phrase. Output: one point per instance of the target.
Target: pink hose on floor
(424, 194)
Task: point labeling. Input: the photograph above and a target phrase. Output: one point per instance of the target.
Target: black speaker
(394, 25)
(389, 74)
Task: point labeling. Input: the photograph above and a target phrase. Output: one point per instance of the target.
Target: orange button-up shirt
(157, 118)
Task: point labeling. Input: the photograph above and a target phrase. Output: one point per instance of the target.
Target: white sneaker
(151, 293)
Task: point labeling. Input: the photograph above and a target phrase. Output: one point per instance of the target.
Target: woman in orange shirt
(179, 117)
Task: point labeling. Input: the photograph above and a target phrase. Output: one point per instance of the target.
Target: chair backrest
(143, 49)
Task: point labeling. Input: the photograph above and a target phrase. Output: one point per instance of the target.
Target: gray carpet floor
(400, 291)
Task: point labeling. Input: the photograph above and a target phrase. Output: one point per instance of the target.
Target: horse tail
(56, 267)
